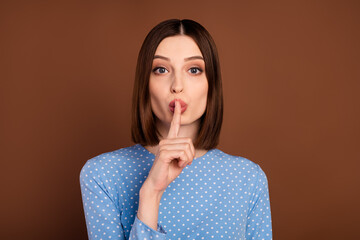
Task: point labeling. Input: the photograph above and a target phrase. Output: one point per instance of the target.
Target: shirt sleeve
(140, 230)
(102, 215)
(259, 217)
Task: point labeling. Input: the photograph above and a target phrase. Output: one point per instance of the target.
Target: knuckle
(161, 151)
(183, 154)
(162, 142)
(190, 142)
(188, 147)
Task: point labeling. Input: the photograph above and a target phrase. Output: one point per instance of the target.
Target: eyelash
(155, 69)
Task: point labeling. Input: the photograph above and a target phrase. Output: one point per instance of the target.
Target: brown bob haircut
(143, 127)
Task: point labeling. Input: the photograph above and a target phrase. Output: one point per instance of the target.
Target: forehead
(179, 46)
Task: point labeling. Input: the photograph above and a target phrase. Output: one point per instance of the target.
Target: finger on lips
(187, 154)
(176, 120)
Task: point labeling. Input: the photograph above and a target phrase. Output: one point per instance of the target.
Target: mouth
(172, 105)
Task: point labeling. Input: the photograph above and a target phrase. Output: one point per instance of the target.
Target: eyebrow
(186, 59)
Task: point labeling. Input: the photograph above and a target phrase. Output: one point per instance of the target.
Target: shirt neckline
(153, 155)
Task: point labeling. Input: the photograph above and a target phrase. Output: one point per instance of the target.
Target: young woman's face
(178, 72)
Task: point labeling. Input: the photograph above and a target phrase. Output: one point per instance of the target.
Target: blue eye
(196, 70)
(161, 70)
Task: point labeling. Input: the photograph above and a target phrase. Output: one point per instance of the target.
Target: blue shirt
(219, 196)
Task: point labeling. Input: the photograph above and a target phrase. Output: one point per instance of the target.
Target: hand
(174, 153)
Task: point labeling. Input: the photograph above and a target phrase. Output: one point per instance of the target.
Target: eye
(159, 70)
(195, 70)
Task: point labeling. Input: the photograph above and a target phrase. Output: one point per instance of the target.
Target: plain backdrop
(291, 85)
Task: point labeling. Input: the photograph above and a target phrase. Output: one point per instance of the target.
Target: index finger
(175, 123)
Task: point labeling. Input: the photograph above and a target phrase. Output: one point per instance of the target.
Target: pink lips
(182, 103)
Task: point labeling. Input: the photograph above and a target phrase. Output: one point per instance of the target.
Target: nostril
(174, 90)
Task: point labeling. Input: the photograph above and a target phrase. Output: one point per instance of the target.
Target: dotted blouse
(219, 196)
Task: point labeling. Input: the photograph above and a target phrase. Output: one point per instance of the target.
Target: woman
(174, 183)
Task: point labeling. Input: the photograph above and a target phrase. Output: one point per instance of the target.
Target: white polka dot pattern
(219, 196)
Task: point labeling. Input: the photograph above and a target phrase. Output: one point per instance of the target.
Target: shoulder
(240, 165)
(234, 160)
(109, 163)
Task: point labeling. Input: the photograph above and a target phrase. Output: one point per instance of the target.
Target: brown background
(291, 82)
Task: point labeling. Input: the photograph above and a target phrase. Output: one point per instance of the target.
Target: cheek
(156, 98)
(204, 92)
(153, 90)
(201, 96)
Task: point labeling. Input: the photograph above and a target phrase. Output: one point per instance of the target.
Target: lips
(182, 103)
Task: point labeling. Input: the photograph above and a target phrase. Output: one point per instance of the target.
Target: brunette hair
(143, 128)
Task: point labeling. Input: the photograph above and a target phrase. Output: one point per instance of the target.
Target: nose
(177, 85)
